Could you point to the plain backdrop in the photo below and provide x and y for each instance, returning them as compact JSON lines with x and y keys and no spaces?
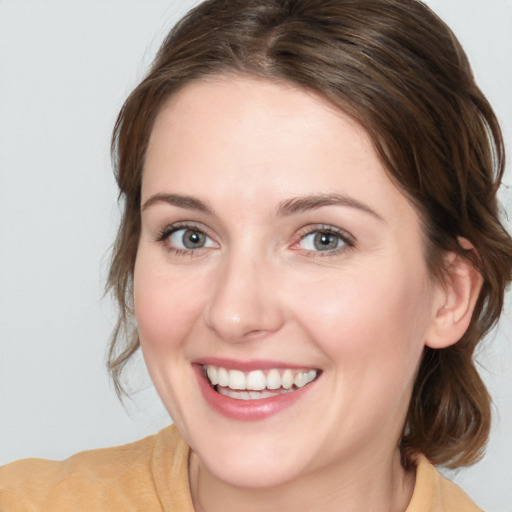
{"x":65,"y":68}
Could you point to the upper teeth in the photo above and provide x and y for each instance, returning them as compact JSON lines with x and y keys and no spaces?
{"x":258,"y":379}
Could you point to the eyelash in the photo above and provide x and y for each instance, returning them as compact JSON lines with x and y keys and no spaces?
{"x":165,"y":233}
{"x":347,"y":239}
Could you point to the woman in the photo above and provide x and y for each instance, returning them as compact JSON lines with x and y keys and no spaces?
{"x":311,"y":251}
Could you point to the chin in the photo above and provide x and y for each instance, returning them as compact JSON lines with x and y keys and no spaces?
{"x":255,"y":471}
{"x":250,"y":460}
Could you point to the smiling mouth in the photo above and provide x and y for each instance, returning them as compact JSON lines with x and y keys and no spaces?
{"x":257,"y":384}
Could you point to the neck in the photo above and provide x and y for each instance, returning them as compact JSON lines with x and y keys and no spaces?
{"x":380,"y":484}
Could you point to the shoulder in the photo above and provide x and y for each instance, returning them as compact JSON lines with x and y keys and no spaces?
{"x":114,"y":476}
{"x":435,"y":493}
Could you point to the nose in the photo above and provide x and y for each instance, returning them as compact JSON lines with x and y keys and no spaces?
{"x":243,"y":304}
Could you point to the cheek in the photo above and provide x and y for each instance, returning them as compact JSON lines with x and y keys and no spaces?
{"x":366,"y":318}
{"x":165,"y":306}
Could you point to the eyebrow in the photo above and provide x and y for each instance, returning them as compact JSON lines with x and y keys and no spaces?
{"x":287,"y":207}
{"x":186,"y":202}
{"x":313,"y":202}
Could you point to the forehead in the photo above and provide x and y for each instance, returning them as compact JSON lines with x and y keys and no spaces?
{"x":258,"y":142}
{"x":247,"y":114}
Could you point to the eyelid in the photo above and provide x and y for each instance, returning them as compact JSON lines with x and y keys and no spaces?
{"x":164,"y":233}
{"x":348,"y":239}
{"x":168,"y":229}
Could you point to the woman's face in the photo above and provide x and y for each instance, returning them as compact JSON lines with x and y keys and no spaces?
{"x":275,"y":252}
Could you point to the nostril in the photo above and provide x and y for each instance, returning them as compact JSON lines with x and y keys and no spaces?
{"x":240,"y":307}
{"x":244,"y":325}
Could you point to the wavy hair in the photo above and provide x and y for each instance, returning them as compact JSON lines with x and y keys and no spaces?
{"x":398,"y":70}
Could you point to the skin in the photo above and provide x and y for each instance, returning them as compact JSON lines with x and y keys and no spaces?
{"x":258,"y":290}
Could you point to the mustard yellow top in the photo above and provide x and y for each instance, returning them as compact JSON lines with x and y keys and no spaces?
{"x":151,"y":475}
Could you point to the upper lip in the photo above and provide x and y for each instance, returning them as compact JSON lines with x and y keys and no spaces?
{"x":247,"y":366}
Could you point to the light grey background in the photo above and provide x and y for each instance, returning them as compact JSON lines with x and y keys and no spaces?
{"x":65,"y":68}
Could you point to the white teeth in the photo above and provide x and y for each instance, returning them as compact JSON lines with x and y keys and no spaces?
{"x":299,"y":380}
{"x":287,"y":379}
{"x":237,"y":379}
{"x":223,"y":377}
{"x":212,"y":375}
{"x":303,"y":378}
{"x":252,"y":395}
{"x":257,"y":380}
{"x":273,"y":379}
{"x":311,"y":376}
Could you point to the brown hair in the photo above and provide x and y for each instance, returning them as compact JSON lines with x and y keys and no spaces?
{"x":395,"y":67}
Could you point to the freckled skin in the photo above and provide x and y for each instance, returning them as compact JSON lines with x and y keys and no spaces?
{"x":360,"y":314}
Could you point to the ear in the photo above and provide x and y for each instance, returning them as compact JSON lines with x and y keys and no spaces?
{"x":454,"y":300}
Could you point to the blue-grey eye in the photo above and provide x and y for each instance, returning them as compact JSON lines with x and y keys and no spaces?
{"x":321,"y":241}
{"x":190,"y":239}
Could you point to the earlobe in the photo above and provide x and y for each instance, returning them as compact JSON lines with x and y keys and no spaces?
{"x":455,"y":300}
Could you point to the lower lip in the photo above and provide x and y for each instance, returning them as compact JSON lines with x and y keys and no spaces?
{"x":247,"y":410}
